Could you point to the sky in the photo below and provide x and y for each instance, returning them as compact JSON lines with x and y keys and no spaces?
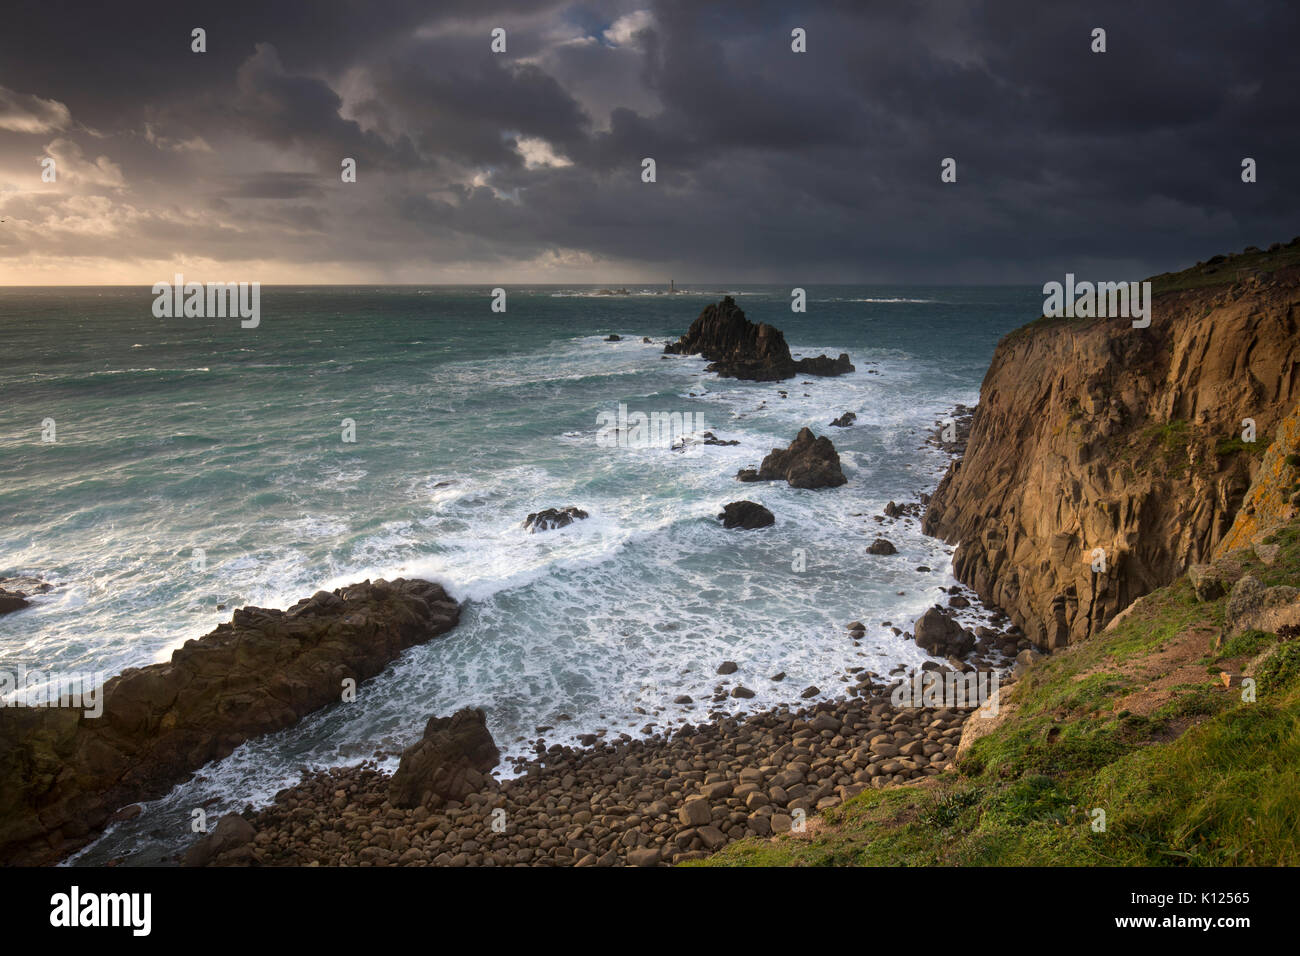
{"x":526,"y":166}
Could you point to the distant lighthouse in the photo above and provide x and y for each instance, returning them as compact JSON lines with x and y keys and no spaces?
{"x":671,"y":286}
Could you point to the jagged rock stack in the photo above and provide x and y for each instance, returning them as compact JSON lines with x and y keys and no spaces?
{"x":737,"y":348}
{"x":809,"y":462}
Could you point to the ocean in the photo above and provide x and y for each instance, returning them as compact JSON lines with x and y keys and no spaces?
{"x":199,"y":464}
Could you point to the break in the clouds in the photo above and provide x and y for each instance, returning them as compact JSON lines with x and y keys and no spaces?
{"x":525,"y":166}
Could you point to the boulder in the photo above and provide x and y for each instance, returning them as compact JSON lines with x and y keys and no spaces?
{"x":551,"y":518}
{"x":1254,"y":607}
{"x":845,"y":420}
{"x":448,"y":763}
{"x":809,"y":462}
{"x":941,"y":636}
{"x":232,"y":831}
{"x":746,"y":515}
{"x":1206,"y":582}
{"x":882,"y":546}
{"x":643,"y":856}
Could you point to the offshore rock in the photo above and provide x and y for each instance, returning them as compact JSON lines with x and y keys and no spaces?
{"x":809,"y":462}
{"x":746,"y":515}
{"x":737,"y":348}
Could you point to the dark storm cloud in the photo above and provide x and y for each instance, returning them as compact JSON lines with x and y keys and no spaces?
{"x":771,"y":165}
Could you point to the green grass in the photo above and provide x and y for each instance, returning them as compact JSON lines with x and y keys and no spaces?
{"x":1208,"y":779}
{"x":1279,"y":671}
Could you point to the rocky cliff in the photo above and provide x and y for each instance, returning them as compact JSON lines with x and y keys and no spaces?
{"x":1274,"y":498}
{"x":1103,"y":460}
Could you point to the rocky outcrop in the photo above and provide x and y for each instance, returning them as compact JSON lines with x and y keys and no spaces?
{"x":809,"y":462}
{"x":845,"y":420}
{"x":746,"y":515}
{"x":63,"y":774}
{"x":882,"y":546}
{"x":1103,"y":460}
{"x":551,"y":518}
{"x":737,"y":348}
{"x":448,"y":763}
{"x":1254,"y":607}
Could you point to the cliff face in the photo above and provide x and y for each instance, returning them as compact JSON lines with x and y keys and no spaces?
{"x":1091,"y":434}
{"x":1274,"y":498}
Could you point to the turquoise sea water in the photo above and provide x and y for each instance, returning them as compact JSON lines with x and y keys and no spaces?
{"x":183,"y":434}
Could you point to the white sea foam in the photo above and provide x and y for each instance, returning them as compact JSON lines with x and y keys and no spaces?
{"x":626,"y":609}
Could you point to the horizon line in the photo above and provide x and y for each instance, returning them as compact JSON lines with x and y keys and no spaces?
{"x":466,"y":285}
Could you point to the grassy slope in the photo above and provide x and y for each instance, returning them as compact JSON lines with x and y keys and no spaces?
{"x":1204,"y":779}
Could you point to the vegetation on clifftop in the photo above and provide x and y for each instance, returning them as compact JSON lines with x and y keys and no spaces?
{"x":1135,"y":722}
{"x":1224,"y":270}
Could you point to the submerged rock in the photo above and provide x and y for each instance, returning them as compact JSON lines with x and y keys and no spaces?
{"x":551,"y":518}
{"x":16,"y":591}
{"x":825,"y":366}
{"x":11,"y":601}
